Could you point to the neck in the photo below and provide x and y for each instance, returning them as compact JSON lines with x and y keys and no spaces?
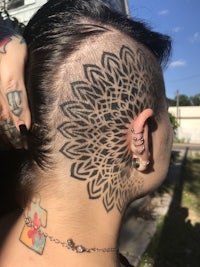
{"x":84,"y":221}
{"x":64,"y":213}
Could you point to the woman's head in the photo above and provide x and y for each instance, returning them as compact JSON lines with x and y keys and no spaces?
{"x":94,"y":75}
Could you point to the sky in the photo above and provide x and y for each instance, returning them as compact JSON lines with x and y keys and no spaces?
{"x":181,"y":20}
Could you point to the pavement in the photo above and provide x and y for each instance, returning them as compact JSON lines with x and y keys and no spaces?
{"x":142,"y":216}
{"x":139,"y":227}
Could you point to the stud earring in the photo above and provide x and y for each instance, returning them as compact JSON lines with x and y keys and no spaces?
{"x":139,"y":164}
{"x":135,"y":163}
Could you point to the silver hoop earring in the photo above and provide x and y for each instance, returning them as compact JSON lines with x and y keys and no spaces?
{"x":133,"y":131}
{"x":138,"y":141}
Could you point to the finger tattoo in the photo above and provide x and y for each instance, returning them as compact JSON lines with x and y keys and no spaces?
{"x":3,"y":44}
{"x":7,"y":39}
{"x":14,"y":100}
{"x":8,"y":128}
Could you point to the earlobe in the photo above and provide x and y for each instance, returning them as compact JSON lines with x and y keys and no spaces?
{"x":139,"y":140}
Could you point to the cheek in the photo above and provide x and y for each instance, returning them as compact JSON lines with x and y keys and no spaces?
{"x":162,"y":151}
{"x":164,"y":139}
{"x":160,"y":158}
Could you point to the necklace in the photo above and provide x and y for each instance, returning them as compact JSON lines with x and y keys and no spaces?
{"x":69,"y":244}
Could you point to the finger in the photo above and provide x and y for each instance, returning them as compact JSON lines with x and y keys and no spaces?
{"x":17,"y":103}
{"x":12,"y":81}
{"x":10,"y":134}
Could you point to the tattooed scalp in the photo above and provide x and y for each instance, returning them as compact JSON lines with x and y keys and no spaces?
{"x":96,"y":121}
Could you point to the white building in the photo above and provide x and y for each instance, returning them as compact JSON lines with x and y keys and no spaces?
{"x":119,"y":5}
{"x":23,"y":10}
{"x":189,"y":123}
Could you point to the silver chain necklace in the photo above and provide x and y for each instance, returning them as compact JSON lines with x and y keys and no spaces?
{"x":69,"y":244}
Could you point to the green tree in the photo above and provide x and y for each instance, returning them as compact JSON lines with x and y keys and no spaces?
{"x":183,"y":100}
{"x":171,"y":102}
{"x":195,"y":100}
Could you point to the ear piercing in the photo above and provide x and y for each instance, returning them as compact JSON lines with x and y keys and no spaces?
{"x":139,"y":164}
{"x":138,"y":140}
{"x":135,"y":163}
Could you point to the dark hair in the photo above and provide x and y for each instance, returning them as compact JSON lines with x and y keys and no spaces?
{"x":54,"y":33}
{"x":63,"y":17}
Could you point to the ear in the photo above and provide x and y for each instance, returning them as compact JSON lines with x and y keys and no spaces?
{"x":139,"y":138}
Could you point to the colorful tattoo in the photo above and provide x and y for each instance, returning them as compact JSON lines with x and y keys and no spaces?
{"x":14,"y":101}
{"x":3,"y":44}
{"x":30,"y":235}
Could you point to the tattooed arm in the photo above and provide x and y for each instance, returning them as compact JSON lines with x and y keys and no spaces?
{"x":14,"y":109}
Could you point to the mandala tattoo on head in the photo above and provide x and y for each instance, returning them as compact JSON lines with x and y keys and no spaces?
{"x":96,"y":125}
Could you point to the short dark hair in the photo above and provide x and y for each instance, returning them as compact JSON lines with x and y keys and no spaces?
{"x":6,"y":32}
{"x":55,"y":33}
{"x":62,"y":18}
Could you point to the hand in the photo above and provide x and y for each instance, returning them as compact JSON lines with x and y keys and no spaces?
{"x":14,"y":110}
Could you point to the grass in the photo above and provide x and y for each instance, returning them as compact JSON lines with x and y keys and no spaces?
{"x":176,"y":242}
{"x":191,"y":193}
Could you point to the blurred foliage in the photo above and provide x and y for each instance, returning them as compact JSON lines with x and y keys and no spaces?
{"x":174,"y":122}
{"x":195,"y":100}
{"x":184,"y":100}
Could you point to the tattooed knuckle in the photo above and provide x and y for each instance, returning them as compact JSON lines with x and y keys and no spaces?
{"x":8,"y":130}
{"x":14,"y":100}
{"x":4,"y":114}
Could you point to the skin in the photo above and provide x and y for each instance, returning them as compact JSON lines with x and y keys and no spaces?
{"x":97,"y":118}
{"x":14,"y":109}
{"x":84,"y":198}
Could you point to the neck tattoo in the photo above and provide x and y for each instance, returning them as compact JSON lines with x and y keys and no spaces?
{"x":34,"y":237}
